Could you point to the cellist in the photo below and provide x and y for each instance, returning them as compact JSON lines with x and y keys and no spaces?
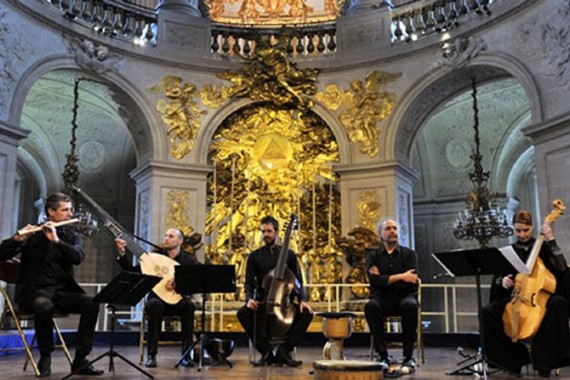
{"x":251,"y":316}
{"x":550,"y":346}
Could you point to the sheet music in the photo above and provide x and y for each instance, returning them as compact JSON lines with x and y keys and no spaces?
{"x":510,"y":254}
{"x":449,"y":273}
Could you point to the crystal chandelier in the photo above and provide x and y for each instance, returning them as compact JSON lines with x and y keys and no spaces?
{"x":482,"y":220}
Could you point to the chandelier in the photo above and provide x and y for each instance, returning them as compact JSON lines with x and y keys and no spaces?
{"x":482,"y":220}
{"x":87,"y":224}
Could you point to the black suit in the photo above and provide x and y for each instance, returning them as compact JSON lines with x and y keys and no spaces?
{"x":157,"y":308}
{"x":47,"y":282}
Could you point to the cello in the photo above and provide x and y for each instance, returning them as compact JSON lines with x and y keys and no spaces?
{"x":524,"y":313}
{"x":279,"y":285}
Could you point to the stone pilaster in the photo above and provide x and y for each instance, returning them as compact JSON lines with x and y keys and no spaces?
{"x":10,"y":136}
{"x":157,"y":182}
{"x":551,"y":140}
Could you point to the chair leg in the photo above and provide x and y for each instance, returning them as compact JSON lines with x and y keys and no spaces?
{"x":27,"y":358}
{"x":251,"y":351}
{"x":141,"y":340}
{"x":21,"y":333}
{"x":62,"y":341}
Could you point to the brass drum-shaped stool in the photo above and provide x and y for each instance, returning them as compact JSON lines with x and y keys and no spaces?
{"x":347,"y":370}
{"x":336,"y":327}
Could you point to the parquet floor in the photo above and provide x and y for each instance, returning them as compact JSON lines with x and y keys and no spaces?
{"x":439,"y":361}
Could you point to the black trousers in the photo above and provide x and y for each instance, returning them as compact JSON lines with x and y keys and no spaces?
{"x":550,"y":347}
{"x":377,"y":309}
{"x":156,"y":309}
{"x":42,"y":303}
{"x":246,"y":317}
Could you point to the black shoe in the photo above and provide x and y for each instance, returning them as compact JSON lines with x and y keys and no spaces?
{"x":544,"y":372}
{"x":266,"y":359}
{"x":44,"y":365}
{"x":284,"y":357}
{"x":86,"y":369}
{"x":150,"y":361}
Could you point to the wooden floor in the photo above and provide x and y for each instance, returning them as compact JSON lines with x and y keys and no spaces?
{"x":438,"y":362}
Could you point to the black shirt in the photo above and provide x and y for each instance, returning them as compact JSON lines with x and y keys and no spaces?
{"x":401,"y":260}
{"x":262,"y":261}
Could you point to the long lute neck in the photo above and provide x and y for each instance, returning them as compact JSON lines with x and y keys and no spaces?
{"x":110,"y":223}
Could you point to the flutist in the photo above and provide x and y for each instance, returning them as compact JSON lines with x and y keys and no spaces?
{"x":48,"y":254}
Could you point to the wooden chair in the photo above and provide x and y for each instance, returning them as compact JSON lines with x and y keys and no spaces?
{"x":9,"y":273}
{"x":391,"y":321}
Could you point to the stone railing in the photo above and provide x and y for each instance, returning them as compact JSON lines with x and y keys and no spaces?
{"x":302,"y":40}
{"x":410,"y":22}
{"x":112,"y":18}
{"x":137,"y":20}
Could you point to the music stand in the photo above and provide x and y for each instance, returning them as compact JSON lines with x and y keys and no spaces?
{"x":474,"y":262}
{"x":128,"y":288}
{"x":204,"y":279}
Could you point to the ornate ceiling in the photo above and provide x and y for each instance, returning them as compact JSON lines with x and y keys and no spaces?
{"x":273,"y":12}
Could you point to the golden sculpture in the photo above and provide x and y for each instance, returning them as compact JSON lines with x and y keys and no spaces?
{"x":272,"y":77}
{"x":369,"y":209}
{"x":270,"y":161}
{"x":355,"y":248}
{"x":362,"y":108}
{"x":180,"y":113}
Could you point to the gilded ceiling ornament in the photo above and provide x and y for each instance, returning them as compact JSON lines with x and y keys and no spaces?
{"x":362,"y":108}
{"x":369,"y":209}
{"x":177,"y":217}
{"x":180,"y":112}
{"x":271,"y":77}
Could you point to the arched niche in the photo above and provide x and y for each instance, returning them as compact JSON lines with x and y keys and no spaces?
{"x":113,"y":137}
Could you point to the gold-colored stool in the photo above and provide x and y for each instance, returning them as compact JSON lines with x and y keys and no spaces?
{"x":336,"y":327}
{"x":347,"y":370}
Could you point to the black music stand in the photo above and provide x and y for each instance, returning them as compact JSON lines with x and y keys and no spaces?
{"x":204,"y":279}
{"x":474,"y":262}
{"x":128,"y":288}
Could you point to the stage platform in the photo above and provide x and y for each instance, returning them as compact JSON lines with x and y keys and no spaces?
{"x":439,"y":360}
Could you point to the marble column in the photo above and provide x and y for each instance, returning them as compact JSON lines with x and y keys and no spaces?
{"x":189,"y":7}
{"x":10,"y":136}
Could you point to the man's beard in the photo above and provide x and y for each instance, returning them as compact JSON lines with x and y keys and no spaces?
{"x":269,"y":241}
